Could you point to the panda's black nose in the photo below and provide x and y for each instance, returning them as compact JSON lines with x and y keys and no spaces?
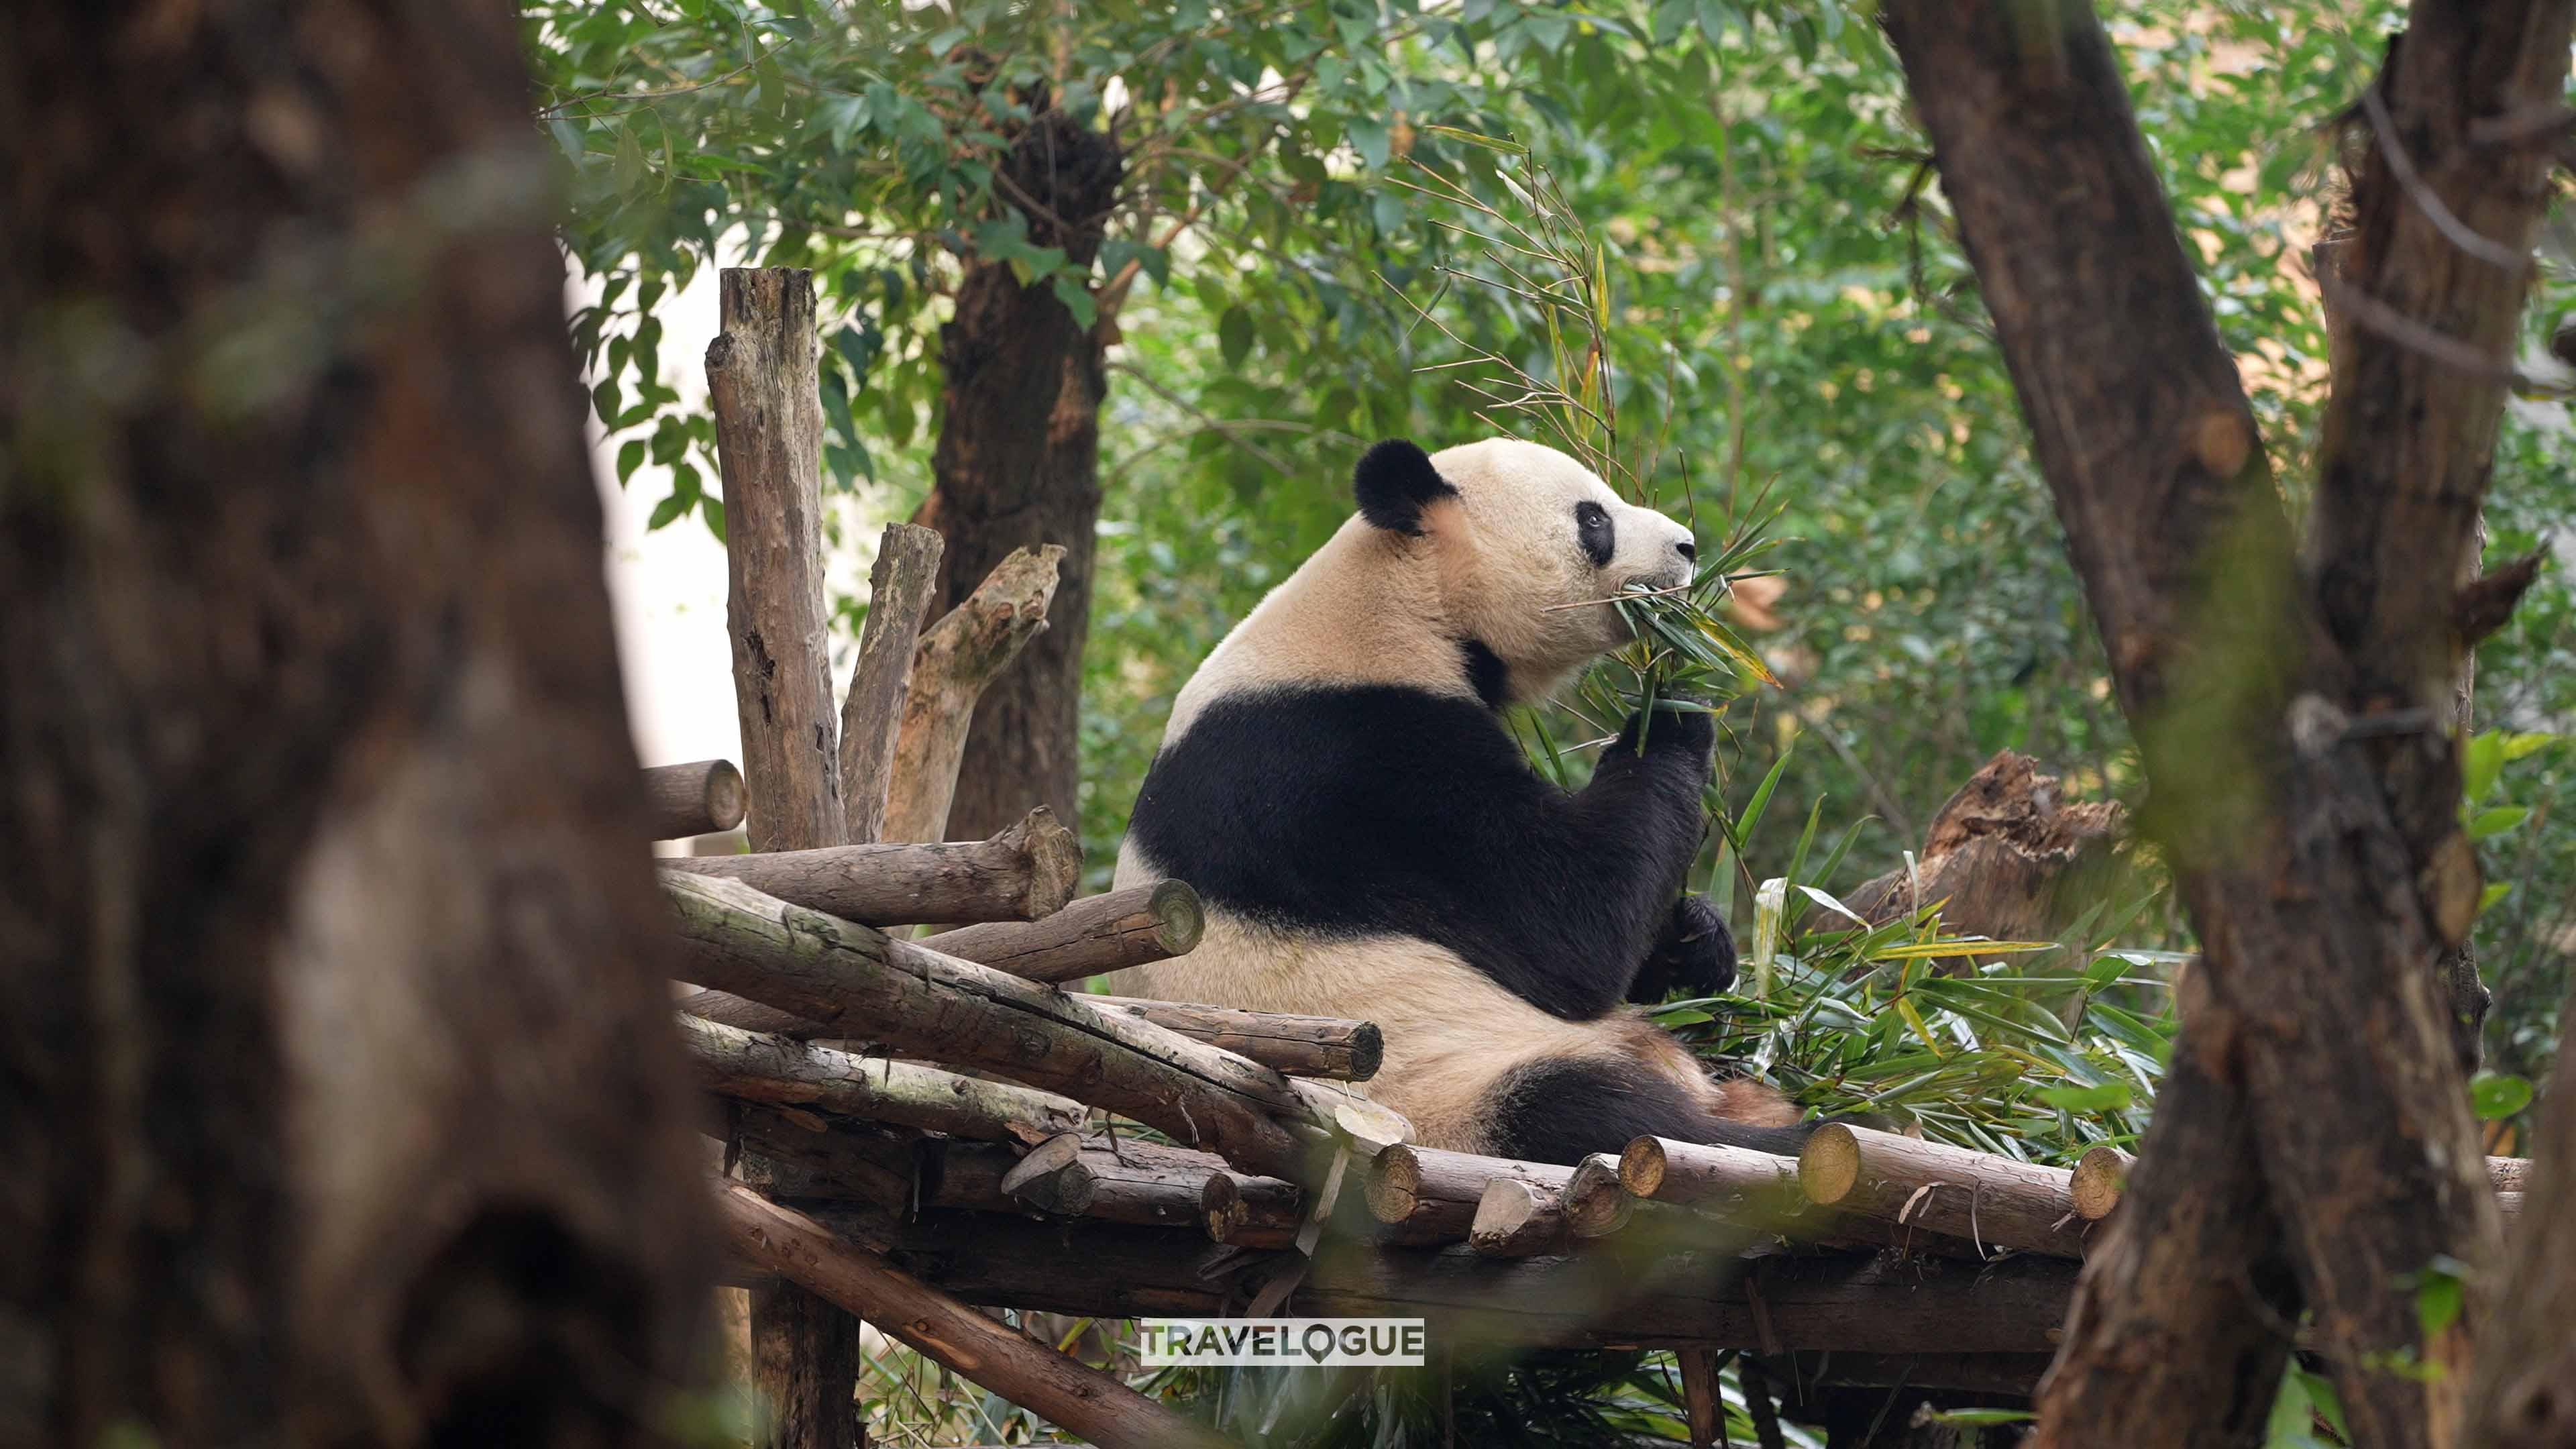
{"x":1687,"y":550}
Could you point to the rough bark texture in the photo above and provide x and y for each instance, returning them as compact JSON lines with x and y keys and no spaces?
{"x":2523,"y":1393}
{"x":854,"y":979}
{"x":1028,"y":871}
{"x":900,"y":586}
{"x":341,"y":1100}
{"x":1992,"y":1201}
{"x":781,"y":1071}
{"x":1709,"y":1176}
{"x":769,"y":425}
{"x":1076,"y":1398}
{"x":1018,"y":464}
{"x":960,"y":657}
{"x":700,"y":798}
{"x":1093,"y":935}
{"x":1328,"y":1048}
{"x":2323,"y":873}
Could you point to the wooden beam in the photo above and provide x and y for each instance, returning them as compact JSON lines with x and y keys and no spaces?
{"x":855,"y":980}
{"x":1110,"y":932}
{"x":1327,"y":1048}
{"x":702,"y":797}
{"x":1992,"y":1201}
{"x":1028,"y":871}
{"x":1074,"y":1397}
{"x":781,"y":1071}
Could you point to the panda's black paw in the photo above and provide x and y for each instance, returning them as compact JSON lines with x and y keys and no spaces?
{"x":1695,"y":954}
{"x":1690,"y":732}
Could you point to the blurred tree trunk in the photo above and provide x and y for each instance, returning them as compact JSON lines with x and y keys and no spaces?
{"x":2294,"y":703}
{"x":336,"y":1082}
{"x":1018,"y":463}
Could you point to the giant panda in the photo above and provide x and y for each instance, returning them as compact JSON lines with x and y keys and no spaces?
{"x":1369,"y":840}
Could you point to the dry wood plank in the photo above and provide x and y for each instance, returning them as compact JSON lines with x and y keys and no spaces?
{"x":1328,"y":1048}
{"x":781,"y":1071}
{"x":900,"y":585}
{"x":1993,"y":1201}
{"x":855,"y":980}
{"x":1027,"y":871}
{"x":769,"y":421}
{"x":1074,"y":1397}
{"x":957,"y":657}
{"x":702,"y":797}
{"x":1100,"y":933}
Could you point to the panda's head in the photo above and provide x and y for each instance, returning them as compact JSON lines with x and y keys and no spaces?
{"x":1525,"y":543}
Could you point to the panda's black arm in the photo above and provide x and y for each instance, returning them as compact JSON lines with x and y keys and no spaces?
{"x":1392,"y":811}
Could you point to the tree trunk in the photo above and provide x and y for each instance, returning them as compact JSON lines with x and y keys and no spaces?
{"x":2304,"y":786}
{"x":343,"y":1104}
{"x":1018,"y":464}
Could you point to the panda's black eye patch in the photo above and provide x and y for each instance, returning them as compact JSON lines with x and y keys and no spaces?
{"x":1592,"y":529}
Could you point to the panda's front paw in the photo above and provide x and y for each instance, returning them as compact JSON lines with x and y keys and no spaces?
{"x":1691,"y":733}
{"x":1695,"y":953}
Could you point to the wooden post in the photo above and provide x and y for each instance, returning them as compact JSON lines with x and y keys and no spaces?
{"x":958,"y":656}
{"x":769,"y":422}
{"x":699,"y":798}
{"x":899,"y":592}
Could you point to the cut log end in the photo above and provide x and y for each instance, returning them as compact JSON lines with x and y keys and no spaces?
{"x":2100,"y":1177}
{"x":1368,"y":1051}
{"x":1394,"y":1184}
{"x":1641,"y":1166}
{"x":1516,"y":1219}
{"x":1183,"y":919}
{"x":1829,"y":1165}
{"x":1595,"y":1203}
{"x":702,"y":797}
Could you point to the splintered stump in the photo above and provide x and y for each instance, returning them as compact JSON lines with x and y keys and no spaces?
{"x":2008,"y":857}
{"x":1027,"y":871}
{"x":1991,"y":1201}
{"x":702,"y":797}
{"x":1133,"y":927}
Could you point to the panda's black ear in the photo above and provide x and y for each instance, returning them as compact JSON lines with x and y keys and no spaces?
{"x":1395,"y":482}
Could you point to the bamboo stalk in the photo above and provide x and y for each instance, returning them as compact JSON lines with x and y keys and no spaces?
{"x":855,"y":980}
{"x":702,"y":797}
{"x":1076,"y":1398}
{"x":1133,"y":927}
{"x":1992,"y":1201}
{"x":1027,"y":871}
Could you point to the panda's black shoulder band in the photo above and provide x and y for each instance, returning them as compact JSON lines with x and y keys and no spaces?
{"x":1395,"y":482}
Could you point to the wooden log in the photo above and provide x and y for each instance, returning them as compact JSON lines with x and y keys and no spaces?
{"x":792,"y":1152}
{"x":702,"y":797}
{"x":1708,"y":1176}
{"x":900,"y":585}
{"x":855,"y":980}
{"x":956,"y":659}
{"x":1251,"y":1212}
{"x":761,"y":1067}
{"x":2096,"y":1183}
{"x":2101,"y":1175}
{"x":1595,"y":1203}
{"x":1075,"y":1398}
{"x":1433,"y":1194}
{"x":1325,"y":1047}
{"x":769,"y":421}
{"x":1991,"y":1201}
{"x":1319,"y":1047}
{"x":1516,"y":1219}
{"x":1029,"y":870}
{"x":1862,"y":1305}
{"x":1095,"y":934}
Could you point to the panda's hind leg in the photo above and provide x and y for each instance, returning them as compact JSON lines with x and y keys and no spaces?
{"x":1563,"y":1109}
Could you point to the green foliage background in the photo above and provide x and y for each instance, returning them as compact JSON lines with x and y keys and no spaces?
{"x":1794,"y":315}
